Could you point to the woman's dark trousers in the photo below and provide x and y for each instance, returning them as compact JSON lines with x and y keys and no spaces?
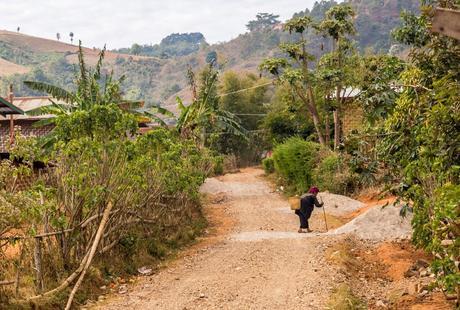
{"x":303,"y":217}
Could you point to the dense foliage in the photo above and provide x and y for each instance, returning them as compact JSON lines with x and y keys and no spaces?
{"x":176,"y":44}
{"x":295,"y":160}
{"x":422,"y":146}
{"x":301,"y":164}
{"x":245,"y":96}
{"x":286,"y":117}
{"x":319,"y":83}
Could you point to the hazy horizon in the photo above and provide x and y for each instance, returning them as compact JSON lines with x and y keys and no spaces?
{"x":119,"y":23}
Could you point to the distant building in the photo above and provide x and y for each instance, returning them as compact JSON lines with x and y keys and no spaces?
{"x":14,"y":119}
{"x":352,"y":112}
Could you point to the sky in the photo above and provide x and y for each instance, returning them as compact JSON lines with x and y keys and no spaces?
{"x":120,"y":23}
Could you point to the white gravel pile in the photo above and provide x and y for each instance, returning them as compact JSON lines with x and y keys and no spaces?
{"x":379,"y":224}
{"x":339,"y":205}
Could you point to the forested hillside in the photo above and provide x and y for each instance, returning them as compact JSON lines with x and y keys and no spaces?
{"x":156,"y":72}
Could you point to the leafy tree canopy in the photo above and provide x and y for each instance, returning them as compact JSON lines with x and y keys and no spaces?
{"x":263,"y":21}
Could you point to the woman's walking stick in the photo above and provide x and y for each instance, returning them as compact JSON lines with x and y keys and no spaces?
{"x":324,"y":213}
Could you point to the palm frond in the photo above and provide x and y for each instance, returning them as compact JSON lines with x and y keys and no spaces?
{"x":228,"y":122}
{"x":49,"y":109}
{"x":45,"y":122}
{"x":155,"y":118}
{"x":162,"y":111}
{"x":83,"y":78}
{"x":47,"y":142}
{"x":54,"y":91}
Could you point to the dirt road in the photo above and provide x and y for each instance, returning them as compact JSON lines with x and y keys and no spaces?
{"x":262,"y":263}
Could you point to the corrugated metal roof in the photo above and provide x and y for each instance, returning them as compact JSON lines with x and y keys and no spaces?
{"x":6,"y":108}
{"x":27,"y":104}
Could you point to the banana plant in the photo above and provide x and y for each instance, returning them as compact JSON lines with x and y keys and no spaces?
{"x":204,"y":116}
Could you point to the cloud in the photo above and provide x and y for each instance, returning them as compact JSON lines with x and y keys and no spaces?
{"x":120,"y":23}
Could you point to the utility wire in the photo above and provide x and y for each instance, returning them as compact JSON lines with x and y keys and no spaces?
{"x":245,"y":89}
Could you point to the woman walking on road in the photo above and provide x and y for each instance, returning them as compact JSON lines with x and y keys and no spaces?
{"x":307,"y":204}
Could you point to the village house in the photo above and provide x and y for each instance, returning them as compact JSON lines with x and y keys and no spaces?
{"x":14,"y":119}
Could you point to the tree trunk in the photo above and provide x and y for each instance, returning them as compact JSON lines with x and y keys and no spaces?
{"x":327,"y":123}
{"x":338,"y":99}
{"x":315,"y":116}
{"x":38,"y":265}
{"x":336,"y":129}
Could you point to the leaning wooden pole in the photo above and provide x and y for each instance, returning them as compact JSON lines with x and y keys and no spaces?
{"x":10,"y":98}
{"x":97,"y":238}
{"x":325,"y":220}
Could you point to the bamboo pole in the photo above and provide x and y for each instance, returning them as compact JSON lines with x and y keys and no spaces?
{"x":97,"y":238}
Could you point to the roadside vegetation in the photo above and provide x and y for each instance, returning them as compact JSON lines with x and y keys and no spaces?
{"x":408,"y":145}
{"x":107,"y":192}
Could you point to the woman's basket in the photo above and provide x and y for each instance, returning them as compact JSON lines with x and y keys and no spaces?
{"x":294,"y":202}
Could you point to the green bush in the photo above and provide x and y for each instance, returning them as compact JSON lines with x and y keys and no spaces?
{"x":333,"y":174}
{"x":294,"y":161}
{"x":269,"y":165}
{"x":218,"y":165}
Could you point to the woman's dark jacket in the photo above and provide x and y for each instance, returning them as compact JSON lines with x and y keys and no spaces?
{"x":307,"y":203}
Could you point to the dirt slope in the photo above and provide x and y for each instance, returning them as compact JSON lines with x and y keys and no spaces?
{"x":41,"y":45}
{"x":9,"y":68}
{"x":285,"y":270}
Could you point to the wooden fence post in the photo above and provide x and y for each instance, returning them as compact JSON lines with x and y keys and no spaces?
{"x":18,"y":271}
{"x":38,"y":264}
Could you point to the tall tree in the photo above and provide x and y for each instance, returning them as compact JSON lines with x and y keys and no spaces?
{"x":136,"y":49}
{"x":263,"y":21}
{"x":338,"y":25}
{"x":313,"y":81}
{"x":296,"y":70}
{"x":71,"y":37}
{"x":58,"y":36}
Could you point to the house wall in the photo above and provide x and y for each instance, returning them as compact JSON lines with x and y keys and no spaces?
{"x":352,"y":118}
{"x":24,"y":127}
